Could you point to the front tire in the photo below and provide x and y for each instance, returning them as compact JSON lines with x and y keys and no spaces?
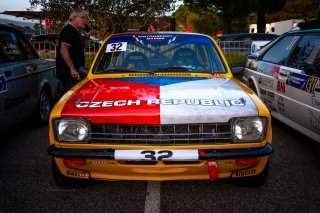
{"x":42,"y":112}
{"x":253,"y":181}
{"x":66,"y":182}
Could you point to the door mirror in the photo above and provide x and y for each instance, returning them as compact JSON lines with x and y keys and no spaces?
{"x":237,"y":71}
{"x":83,"y":72}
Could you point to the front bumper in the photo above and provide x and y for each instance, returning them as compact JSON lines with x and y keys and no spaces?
{"x":203,"y":154}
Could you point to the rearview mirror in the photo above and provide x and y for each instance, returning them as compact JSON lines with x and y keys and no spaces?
{"x":237,"y":71}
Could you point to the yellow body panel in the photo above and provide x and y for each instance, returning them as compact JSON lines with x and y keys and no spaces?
{"x":103,"y":169}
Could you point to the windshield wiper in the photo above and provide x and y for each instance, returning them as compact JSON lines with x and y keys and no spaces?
{"x":182,"y":69}
{"x":122,"y":70}
{"x":174,"y":69}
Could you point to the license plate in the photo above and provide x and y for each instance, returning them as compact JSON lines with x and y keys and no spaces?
{"x":154,"y":155}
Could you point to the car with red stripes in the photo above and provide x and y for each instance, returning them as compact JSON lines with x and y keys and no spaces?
{"x":286,"y":75}
{"x":160,"y":106}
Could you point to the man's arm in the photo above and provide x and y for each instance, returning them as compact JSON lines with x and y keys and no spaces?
{"x":64,"y":50}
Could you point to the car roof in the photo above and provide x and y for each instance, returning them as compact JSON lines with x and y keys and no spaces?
{"x":317,"y":30}
{"x":253,"y":36}
{"x":4,"y":26}
{"x":159,"y":32}
{"x":45,"y":36}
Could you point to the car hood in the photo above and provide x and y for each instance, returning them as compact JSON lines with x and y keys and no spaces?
{"x":159,"y":100}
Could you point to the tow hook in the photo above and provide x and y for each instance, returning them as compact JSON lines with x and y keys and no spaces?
{"x":213,"y":170}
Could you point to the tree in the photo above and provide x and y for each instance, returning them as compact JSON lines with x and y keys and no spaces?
{"x":106,"y":16}
{"x":267,"y":6}
{"x":228,"y":11}
{"x":202,"y":21}
{"x":295,"y":9}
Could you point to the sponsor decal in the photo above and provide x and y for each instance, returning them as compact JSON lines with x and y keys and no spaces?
{"x":266,"y":82}
{"x":142,"y":39}
{"x":281,"y":87}
{"x":271,"y":95}
{"x":263,"y":92}
{"x":77,"y":173}
{"x":311,"y":85}
{"x":100,"y":162}
{"x":298,"y":81}
{"x":316,"y":95}
{"x":269,"y":69}
{"x":245,"y":173}
{"x":3,"y":83}
{"x":201,"y":102}
{"x":276,"y":70}
{"x":269,"y":98}
{"x":281,"y":105}
{"x":13,"y":102}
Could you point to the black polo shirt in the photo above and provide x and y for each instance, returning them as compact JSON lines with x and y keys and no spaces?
{"x":72,"y":37}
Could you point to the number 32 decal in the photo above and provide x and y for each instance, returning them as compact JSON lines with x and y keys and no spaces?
{"x":154,"y":155}
{"x":116,"y":47}
{"x":159,"y":155}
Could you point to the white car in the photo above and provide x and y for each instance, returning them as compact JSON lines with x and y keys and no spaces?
{"x":286,"y":75}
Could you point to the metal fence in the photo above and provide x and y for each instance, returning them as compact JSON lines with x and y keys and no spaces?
{"x":235,"y":47}
{"x":48,"y":49}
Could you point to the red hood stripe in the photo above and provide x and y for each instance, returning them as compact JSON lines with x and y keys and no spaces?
{"x":132,"y":112}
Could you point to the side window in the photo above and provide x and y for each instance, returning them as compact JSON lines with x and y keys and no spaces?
{"x":307,"y":53}
{"x":279,"y":53}
{"x":14,"y":48}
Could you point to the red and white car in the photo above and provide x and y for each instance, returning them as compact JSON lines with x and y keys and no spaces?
{"x":160,"y":106}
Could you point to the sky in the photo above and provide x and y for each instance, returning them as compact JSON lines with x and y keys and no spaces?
{"x":13,"y":5}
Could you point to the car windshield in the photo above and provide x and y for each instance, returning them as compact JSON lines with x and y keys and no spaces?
{"x":159,"y":52}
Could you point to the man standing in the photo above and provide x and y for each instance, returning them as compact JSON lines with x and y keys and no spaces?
{"x":71,"y":49}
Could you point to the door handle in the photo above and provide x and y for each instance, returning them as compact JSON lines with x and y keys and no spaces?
{"x":7,"y":73}
{"x":31,"y":68}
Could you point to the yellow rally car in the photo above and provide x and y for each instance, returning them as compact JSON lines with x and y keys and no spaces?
{"x":160,"y":106}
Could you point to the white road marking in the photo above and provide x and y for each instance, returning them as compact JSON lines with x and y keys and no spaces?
{"x":152,"y":204}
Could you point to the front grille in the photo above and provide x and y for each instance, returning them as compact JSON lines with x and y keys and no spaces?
{"x":178,"y":134}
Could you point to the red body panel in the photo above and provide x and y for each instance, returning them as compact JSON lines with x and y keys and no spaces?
{"x":98,"y":90}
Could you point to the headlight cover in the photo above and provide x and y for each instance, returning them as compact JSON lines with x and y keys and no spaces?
{"x":71,"y":130}
{"x":249,"y":129}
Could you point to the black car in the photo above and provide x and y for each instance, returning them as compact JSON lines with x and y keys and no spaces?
{"x":242,"y":42}
{"x":248,"y":37}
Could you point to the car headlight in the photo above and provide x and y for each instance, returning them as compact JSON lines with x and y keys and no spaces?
{"x":249,"y":129}
{"x":71,"y":130}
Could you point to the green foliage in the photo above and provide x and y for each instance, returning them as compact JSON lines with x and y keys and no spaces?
{"x":228,"y":11}
{"x":203,"y":21}
{"x":106,"y":16}
{"x":295,"y":9}
{"x":236,"y":60}
{"x":267,"y":6}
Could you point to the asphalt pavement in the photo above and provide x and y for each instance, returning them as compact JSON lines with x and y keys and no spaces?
{"x":26,"y":183}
